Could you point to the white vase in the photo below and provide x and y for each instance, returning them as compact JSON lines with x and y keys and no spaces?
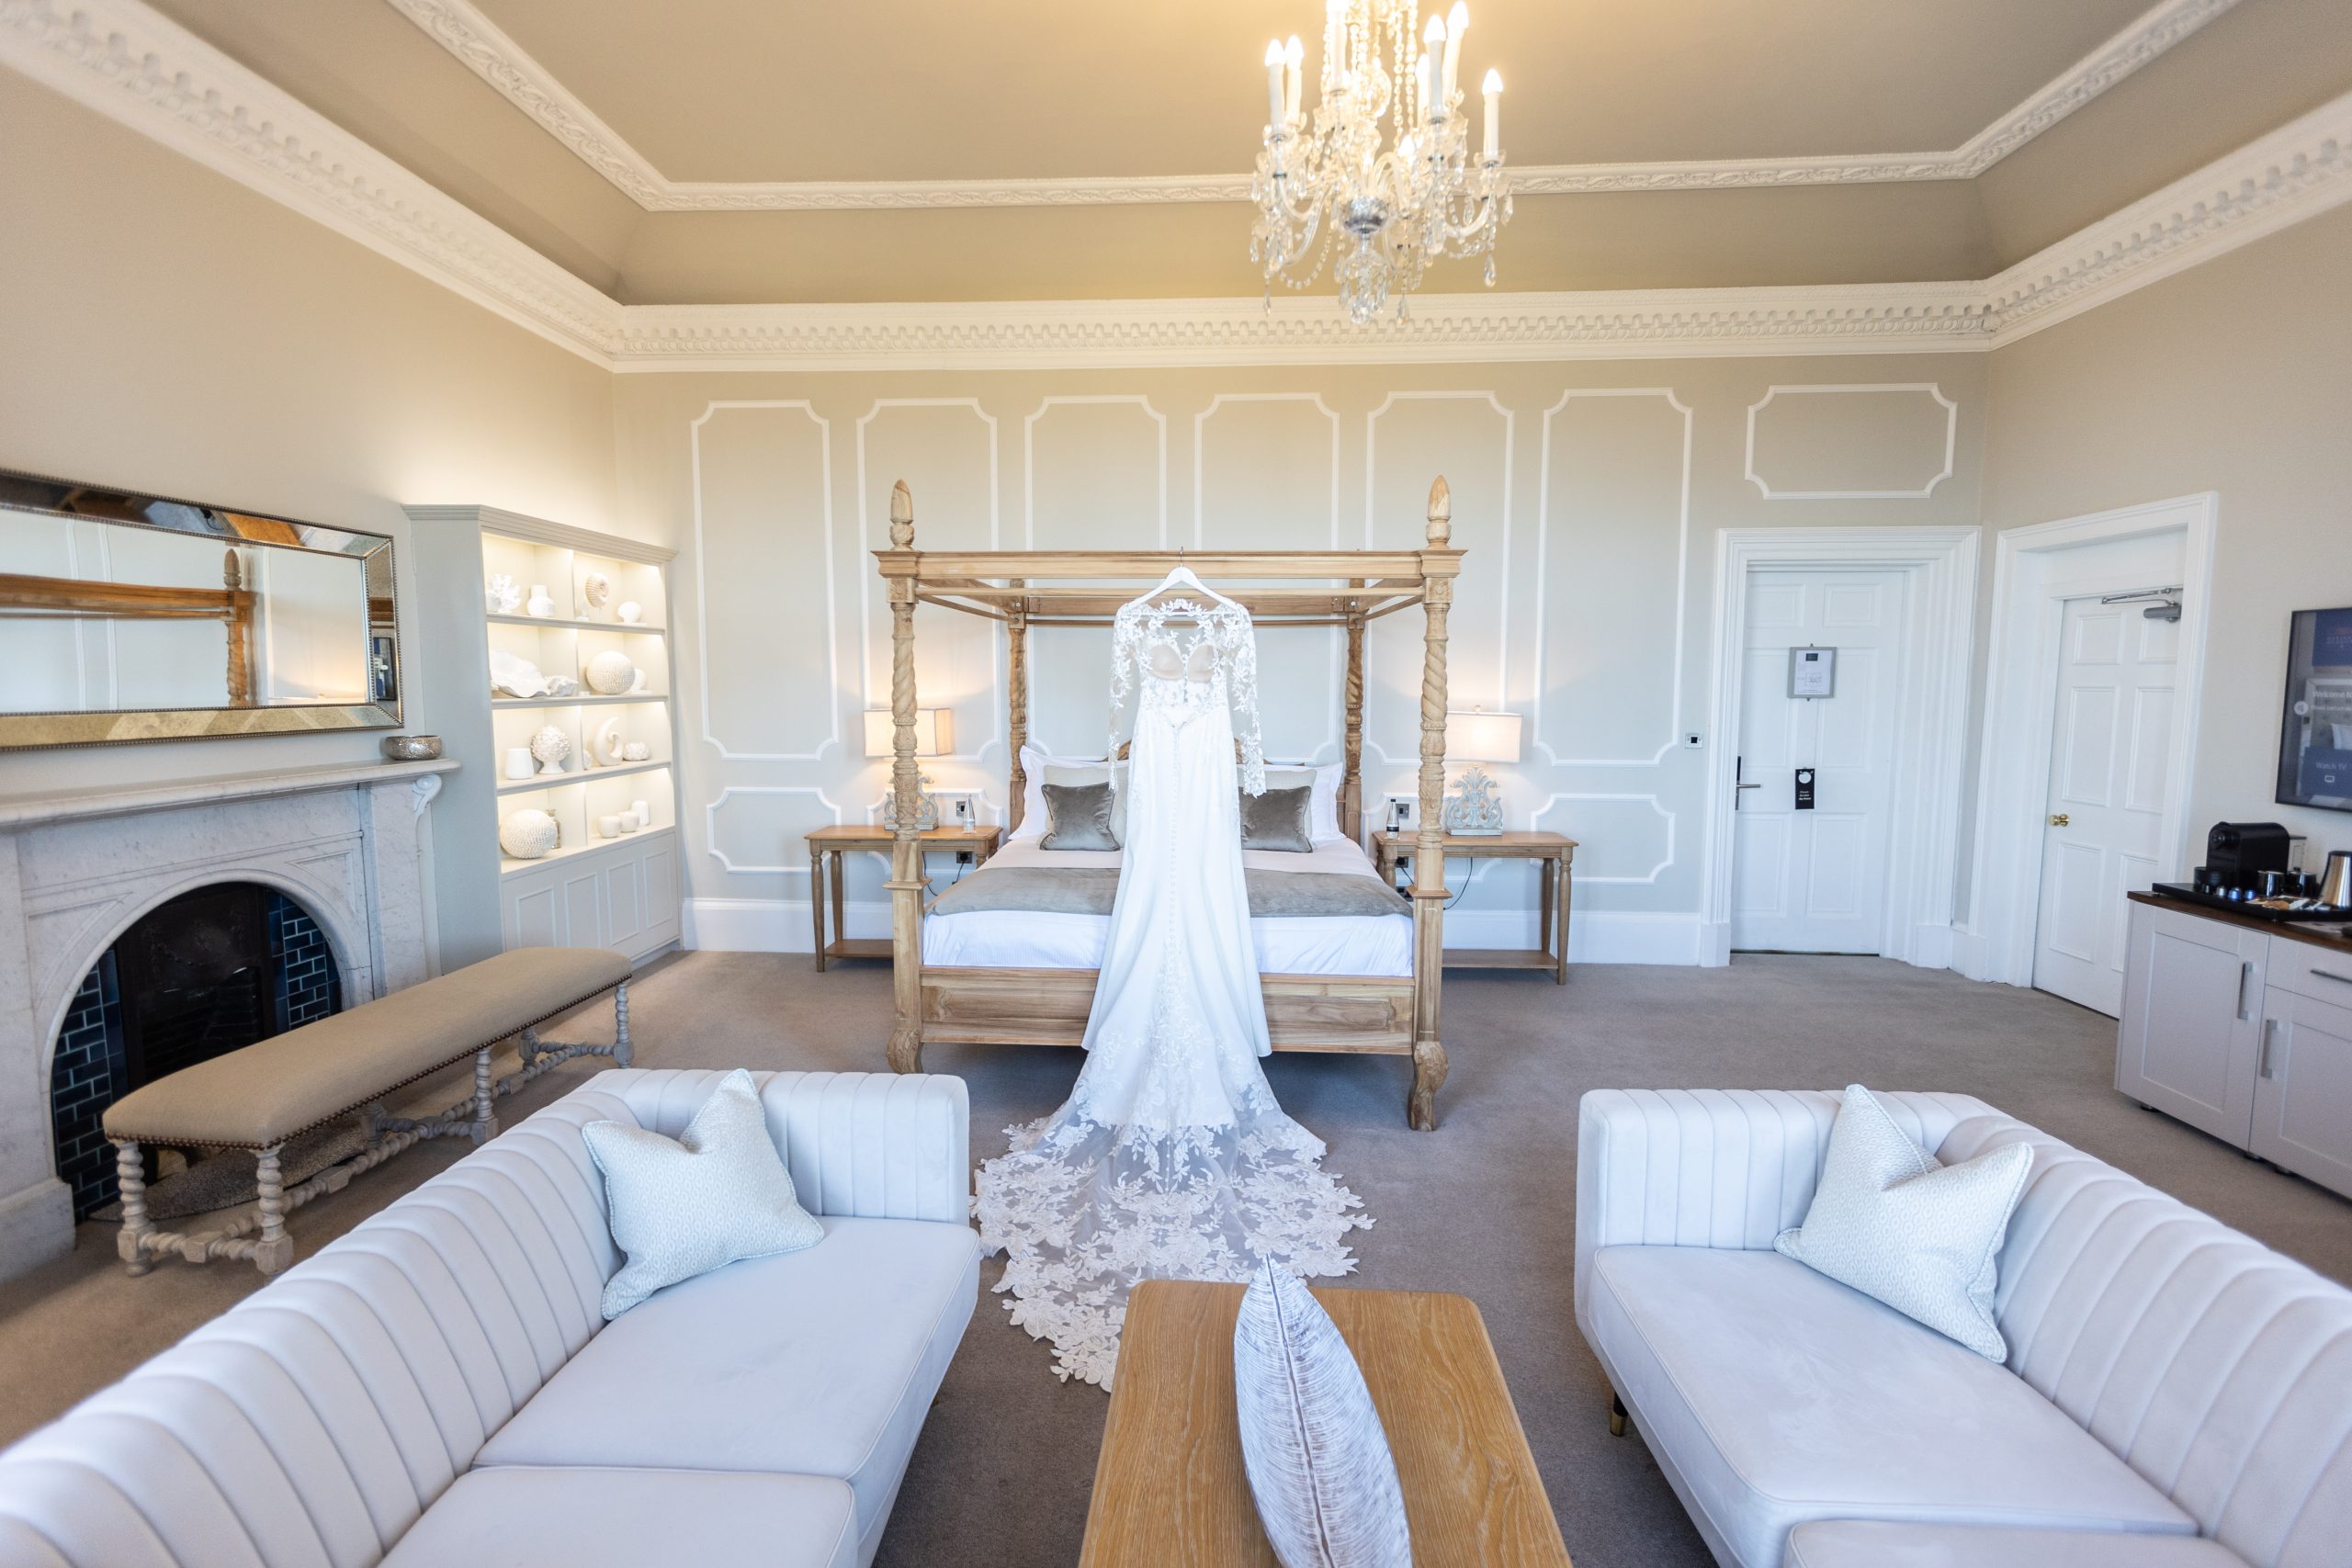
{"x":541,"y":606}
{"x":518,"y":763}
{"x":608,"y":826}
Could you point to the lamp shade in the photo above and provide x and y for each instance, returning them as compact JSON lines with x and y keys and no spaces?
{"x":1482,"y":737}
{"x":934,"y":732}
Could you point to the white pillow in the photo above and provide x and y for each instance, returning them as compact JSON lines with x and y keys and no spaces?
{"x":1034,"y":764}
{"x":681,"y":1207}
{"x":1311,"y":1442}
{"x":1924,"y":1237}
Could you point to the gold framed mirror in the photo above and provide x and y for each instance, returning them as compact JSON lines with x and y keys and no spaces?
{"x":128,"y":617}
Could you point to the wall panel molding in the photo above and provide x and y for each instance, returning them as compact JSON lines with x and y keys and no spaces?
{"x":1543,"y":579}
{"x":1926,"y":488}
{"x":718,"y":803}
{"x":125,"y":60}
{"x":485,"y":50}
{"x":702,"y":596}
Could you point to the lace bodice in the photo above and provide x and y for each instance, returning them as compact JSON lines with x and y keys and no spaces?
{"x":1184,"y":655}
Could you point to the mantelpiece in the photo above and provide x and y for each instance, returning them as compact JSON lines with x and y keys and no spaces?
{"x":77,"y":868}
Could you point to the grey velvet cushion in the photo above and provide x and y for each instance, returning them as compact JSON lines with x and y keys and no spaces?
{"x":1278,"y":820}
{"x":1078,"y":818}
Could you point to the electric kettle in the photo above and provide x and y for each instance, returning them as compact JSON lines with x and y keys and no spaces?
{"x":2335,"y":882}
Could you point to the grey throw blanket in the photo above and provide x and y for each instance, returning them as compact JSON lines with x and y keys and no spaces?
{"x":1077,"y":890}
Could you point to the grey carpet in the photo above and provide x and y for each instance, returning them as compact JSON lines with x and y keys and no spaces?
{"x":1485,"y":1205}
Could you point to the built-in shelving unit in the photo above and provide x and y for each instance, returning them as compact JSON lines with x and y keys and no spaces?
{"x":602,"y":886}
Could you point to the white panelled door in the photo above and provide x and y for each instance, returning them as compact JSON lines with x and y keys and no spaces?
{"x":1814,"y":880}
{"x":2110,"y":740}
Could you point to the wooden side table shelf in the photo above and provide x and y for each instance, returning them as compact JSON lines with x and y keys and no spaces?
{"x":831,"y":843}
{"x":1555,"y":879}
{"x":1170,"y":1487}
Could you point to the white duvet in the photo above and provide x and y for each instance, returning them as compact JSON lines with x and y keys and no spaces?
{"x":1286,"y":945}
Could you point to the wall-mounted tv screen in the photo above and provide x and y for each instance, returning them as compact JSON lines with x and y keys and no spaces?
{"x":2315,"y":739}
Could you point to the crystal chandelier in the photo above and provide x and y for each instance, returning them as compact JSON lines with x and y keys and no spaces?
{"x":1400,"y":206}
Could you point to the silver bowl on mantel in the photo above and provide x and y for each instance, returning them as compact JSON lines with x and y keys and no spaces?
{"x":411,"y":748}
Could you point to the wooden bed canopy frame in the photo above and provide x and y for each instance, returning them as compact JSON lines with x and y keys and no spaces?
{"x":1383,"y":1014}
{"x":231,"y":604}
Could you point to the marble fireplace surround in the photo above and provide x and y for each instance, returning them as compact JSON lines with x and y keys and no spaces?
{"x":76,"y":869}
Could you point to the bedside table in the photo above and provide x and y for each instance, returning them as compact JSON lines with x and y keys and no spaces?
{"x":831,"y":843}
{"x":1554,"y":878}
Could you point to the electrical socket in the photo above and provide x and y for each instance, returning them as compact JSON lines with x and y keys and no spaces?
{"x":963,"y":857}
{"x":1692,"y":741}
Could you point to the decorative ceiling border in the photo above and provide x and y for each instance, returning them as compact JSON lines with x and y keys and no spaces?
{"x":485,"y":48}
{"x":128,"y":63}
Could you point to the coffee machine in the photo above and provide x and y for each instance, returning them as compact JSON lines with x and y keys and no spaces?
{"x":2249,"y":866}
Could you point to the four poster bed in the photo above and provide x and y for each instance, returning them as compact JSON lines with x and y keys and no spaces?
{"x":1355,"y":975}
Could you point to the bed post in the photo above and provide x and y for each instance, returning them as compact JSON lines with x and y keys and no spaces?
{"x":901,"y":571}
{"x":1016,"y":705}
{"x":1440,"y":561}
{"x":1351,"y":774}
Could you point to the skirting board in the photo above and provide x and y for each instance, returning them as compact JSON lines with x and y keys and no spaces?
{"x":1594,"y":936}
{"x":1933,"y":946}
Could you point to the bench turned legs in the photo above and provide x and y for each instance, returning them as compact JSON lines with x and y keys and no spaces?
{"x":273,"y":1252}
{"x":485,"y":1121}
{"x":130,"y":1176}
{"x":622,"y":1051}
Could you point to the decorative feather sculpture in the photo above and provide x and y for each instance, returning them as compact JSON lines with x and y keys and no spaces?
{"x":1318,"y":1460}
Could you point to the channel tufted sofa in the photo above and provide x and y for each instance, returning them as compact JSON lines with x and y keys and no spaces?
{"x":2176,"y":1395}
{"x":436,"y":1387}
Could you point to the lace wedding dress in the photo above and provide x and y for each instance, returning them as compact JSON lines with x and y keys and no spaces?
{"x":1170,"y":1158}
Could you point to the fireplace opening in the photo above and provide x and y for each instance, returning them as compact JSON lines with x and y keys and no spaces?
{"x":199,"y":976}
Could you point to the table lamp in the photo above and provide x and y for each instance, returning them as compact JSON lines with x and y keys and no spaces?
{"x":1474,"y":808}
{"x":935,"y":737}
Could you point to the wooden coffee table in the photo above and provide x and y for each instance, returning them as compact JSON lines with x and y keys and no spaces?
{"x":1169,"y":1488}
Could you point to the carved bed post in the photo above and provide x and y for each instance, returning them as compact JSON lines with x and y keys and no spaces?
{"x":1352,"y":754}
{"x":1438,"y":564}
{"x":1016,"y":704}
{"x":900,"y":571}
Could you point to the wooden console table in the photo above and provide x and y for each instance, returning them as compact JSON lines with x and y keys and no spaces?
{"x":831,"y":843}
{"x":1169,"y":1488}
{"x":1556,"y":881}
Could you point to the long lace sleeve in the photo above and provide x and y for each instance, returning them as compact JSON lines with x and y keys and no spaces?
{"x":1242,"y":695}
{"x":1126,"y":652}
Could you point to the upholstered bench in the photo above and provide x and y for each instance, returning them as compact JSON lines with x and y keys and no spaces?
{"x":261,"y":1096}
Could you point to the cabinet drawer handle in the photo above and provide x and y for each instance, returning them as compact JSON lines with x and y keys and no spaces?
{"x":2245,"y":975}
{"x":2270,"y":1038}
{"x":2331,"y":975}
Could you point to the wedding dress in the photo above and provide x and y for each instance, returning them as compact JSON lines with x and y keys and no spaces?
{"x":1171,"y":1159}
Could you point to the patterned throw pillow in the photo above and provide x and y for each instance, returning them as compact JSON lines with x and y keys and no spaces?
{"x":1081,"y":817}
{"x":681,"y":1207}
{"x":1921,"y":1236}
{"x":1318,"y":1460}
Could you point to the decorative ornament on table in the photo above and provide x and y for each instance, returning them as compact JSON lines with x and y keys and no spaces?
{"x":595,"y":589}
{"x":610,"y":673}
{"x":550,"y":746}
{"x":529,"y":834}
{"x":630,"y":612}
{"x":637,"y":751}
{"x":541,"y":606}
{"x":926,"y":812}
{"x":411,"y":748}
{"x":503,"y":594}
{"x":607,"y":747}
{"x":513,"y":675}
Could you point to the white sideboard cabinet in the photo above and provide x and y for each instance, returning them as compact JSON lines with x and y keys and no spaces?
{"x":2241,"y":1028}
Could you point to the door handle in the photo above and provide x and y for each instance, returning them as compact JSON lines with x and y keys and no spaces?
{"x":2060,"y":820}
{"x":2269,"y":1037}
{"x":2245,"y":976}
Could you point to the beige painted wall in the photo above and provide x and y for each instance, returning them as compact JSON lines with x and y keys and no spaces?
{"x":2235,"y":377}
{"x":1586,"y":602}
{"x":168,"y":329}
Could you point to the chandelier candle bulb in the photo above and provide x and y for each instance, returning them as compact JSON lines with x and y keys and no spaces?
{"x":1493,"y":89}
{"x":1433,"y":67}
{"x":1274,"y":85}
{"x":1293,"y":65}
{"x":1457,"y":22}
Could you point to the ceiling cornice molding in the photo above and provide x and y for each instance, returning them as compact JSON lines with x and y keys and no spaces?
{"x":130,"y":62}
{"x":486,"y":50}
{"x":122,"y":59}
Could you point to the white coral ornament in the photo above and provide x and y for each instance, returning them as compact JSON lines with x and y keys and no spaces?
{"x":528,"y":834}
{"x":550,"y":746}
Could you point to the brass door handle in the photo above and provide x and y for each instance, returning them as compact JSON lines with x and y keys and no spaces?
{"x":2058,"y":819}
